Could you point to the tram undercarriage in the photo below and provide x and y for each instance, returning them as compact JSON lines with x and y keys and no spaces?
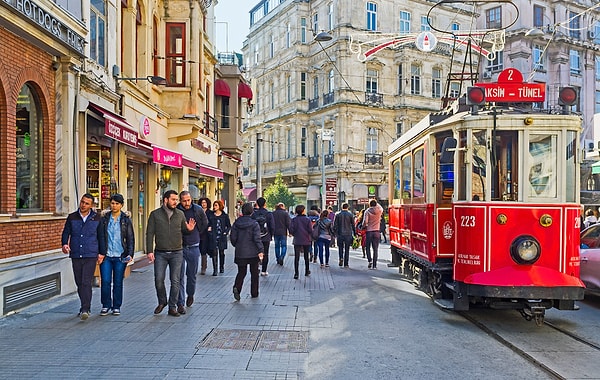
{"x":435,"y":279}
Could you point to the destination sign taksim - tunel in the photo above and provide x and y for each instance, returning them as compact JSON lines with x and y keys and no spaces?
{"x":511,"y":89}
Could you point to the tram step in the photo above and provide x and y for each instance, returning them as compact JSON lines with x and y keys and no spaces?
{"x":449,"y":285}
{"x":444,"y":303}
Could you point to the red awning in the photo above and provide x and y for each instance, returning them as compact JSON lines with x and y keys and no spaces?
{"x":244,"y":91}
{"x":222,"y":88}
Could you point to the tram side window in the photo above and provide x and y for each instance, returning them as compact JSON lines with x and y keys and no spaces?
{"x":542,"y":164}
{"x":406,"y":177}
{"x":462,"y":167}
{"x":419,"y":174}
{"x":397,"y":181}
{"x":479,"y":175}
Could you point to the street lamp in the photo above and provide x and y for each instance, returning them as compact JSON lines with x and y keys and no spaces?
{"x":326,"y":135}
{"x":155,"y":80}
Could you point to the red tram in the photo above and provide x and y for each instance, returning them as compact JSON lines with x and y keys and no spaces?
{"x":485,"y":203}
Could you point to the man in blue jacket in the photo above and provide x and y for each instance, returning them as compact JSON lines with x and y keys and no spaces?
{"x":83,"y":239}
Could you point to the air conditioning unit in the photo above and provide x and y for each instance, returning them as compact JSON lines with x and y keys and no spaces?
{"x":487,"y":74}
{"x":591,"y":34}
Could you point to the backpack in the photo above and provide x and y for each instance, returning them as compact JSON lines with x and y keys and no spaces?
{"x":262,"y":223}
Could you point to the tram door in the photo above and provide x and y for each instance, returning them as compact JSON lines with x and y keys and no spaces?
{"x":444,"y":223}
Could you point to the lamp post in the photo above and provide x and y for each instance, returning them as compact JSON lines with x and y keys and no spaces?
{"x":326,"y":135}
{"x":258,"y":165}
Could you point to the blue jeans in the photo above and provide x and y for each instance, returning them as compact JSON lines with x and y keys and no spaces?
{"x":112,"y":271}
{"x":323,"y":243}
{"x":344,"y":242}
{"x":189,"y":267}
{"x":173,"y":260}
{"x":280,"y":246}
{"x":373,"y":238}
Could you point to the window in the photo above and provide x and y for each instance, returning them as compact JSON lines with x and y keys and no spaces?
{"x":175,"y":54}
{"x":272,"y":91}
{"x":399,"y":127}
{"x":538,"y":58}
{"x":372,"y":145}
{"x":330,"y":16}
{"x":597,"y":104}
{"x":303,"y":142}
{"x":303,"y":30}
{"x":454,"y":90}
{"x":436,"y":83}
{"x":404,"y":22}
{"x":288,"y":139}
{"x":98,"y":31}
{"x":155,"y":46}
{"x":256,"y":54}
{"x":224,"y":112}
{"x":315,"y":144}
{"x":73,"y":7}
{"x":538,"y":16}
{"x":407,"y":177}
{"x":315,"y":20}
{"x":371,"y":85}
{"x":415,"y":80}
{"x":596,"y":30}
{"x":316,"y":87}
{"x":419,"y":174}
{"x":425,"y":23}
{"x":498,"y":63}
{"x":575,"y":62}
{"x":289,"y":88}
{"x":371,"y":16}
{"x":400,"y":80}
{"x":271,"y":47}
{"x":597,"y":68}
{"x":288,"y":36}
{"x":331,"y":82}
{"x":302,"y":86}
{"x":541,"y":166}
{"x":29,"y":153}
{"x":574,"y":25}
{"x":455,"y":27}
{"x":493,"y":18}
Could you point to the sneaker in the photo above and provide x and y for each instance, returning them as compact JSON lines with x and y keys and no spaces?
{"x":295,"y":276}
{"x":104,"y":311}
{"x":84,"y":315}
{"x":370,"y":265}
{"x":322,"y":265}
{"x":346,"y":267}
{"x":326,"y":265}
{"x":341,"y":262}
{"x":264,"y":274}
{"x":236,"y":294}
{"x":117,"y":312}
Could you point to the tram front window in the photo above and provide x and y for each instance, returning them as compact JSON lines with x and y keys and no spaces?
{"x":542,"y":164}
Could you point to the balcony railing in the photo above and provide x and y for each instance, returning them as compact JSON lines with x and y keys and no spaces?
{"x":374,"y":98}
{"x":313,"y":103}
{"x":329,"y":159}
{"x":314,"y":162}
{"x":373,"y":158}
{"x":328,"y":98}
{"x":211,"y":127}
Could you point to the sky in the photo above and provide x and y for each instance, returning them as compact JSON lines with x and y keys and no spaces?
{"x":235,"y":13}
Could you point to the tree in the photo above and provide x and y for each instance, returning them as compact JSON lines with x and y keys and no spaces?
{"x":278,"y":192}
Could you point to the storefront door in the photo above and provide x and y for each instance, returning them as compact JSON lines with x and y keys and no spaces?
{"x":136,"y":201}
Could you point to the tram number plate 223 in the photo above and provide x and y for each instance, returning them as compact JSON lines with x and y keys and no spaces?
{"x":467,"y":221}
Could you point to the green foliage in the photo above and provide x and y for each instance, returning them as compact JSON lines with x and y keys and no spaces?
{"x":278,"y":192}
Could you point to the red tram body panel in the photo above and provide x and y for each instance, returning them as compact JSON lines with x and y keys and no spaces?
{"x":485,"y":208}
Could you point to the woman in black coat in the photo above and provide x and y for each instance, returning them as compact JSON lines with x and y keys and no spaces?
{"x":218,"y":228}
{"x":245,"y":237}
{"x":204,"y":239}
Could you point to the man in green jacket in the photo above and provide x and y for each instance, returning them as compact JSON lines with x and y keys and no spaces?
{"x":164,"y":241}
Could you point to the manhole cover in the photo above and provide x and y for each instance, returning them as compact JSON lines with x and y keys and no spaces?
{"x":281,"y":341}
{"x":231,"y":339}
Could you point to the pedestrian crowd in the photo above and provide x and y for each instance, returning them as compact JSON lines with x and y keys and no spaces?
{"x":181,"y":235}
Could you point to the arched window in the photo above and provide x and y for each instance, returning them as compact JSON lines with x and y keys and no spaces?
{"x":28,"y":137}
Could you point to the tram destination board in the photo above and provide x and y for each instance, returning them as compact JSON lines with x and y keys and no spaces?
{"x":510,"y":88}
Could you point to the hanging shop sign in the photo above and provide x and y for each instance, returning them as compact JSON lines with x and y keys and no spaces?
{"x":167,"y":157}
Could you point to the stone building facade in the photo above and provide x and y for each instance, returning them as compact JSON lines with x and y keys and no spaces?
{"x":302,"y":86}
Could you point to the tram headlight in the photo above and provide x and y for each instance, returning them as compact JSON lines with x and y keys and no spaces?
{"x":525,"y":250}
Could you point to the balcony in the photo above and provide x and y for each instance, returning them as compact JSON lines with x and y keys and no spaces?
{"x":314,"y":162}
{"x":328,"y":98}
{"x":211,"y":127}
{"x":374,"y":159}
{"x":374,"y":98}
{"x":313,"y":103}
{"x":329,"y":159}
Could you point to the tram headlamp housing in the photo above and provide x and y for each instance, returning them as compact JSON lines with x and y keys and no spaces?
{"x":525,"y":250}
